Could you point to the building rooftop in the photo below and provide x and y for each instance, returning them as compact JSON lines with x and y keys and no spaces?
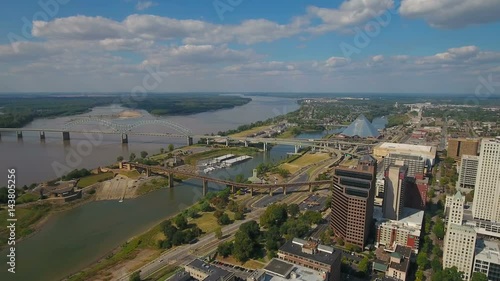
{"x":408,"y":147}
{"x":403,"y":254}
{"x":180,"y":276}
{"x":470,"y":157}
{"x":322,"y":255}
{"x":279,"y":268}
{"x":214,"y":273}
{"x":296,"y":273}
{"x":488,"y":251}
{"x":462,"y":228}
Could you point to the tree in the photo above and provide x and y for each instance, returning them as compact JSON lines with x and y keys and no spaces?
{"x":438,"y":228}
{"x":136,"y":276}
{"x":218,"y":214}
{"x":144,"y":154}
{"x":181,"y":221}
{"x":275,"y":215}
{"x":240,"y":178}
{"x":218,"y":233}
{"x":170,"y":147}
{"x":162,"y":150}
{"x":363,"y":266}
{"x":225,"y":249}
{"x":419,"y":275}
{"x":244,"y":246}
{"x":312,"y":217}
{"x":119,"y":158}
{"x":293,"y":210}
{"x":132,"y":156}
{"x":436,"y":264}
{"x":273,"y":239}
{"x":422,"y":260}
{"x":224,"y":219}
{"x":479,"y":276}
{"x":326,"y":237}
{"x":339,"y":241}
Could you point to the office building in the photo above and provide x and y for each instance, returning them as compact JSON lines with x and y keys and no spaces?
{"x":405,"y":232}
{"x":203,"y":271}
{"x":352,"y":201}
{"x":459,"y":246}
{"x":487,"y":259}
{"x":312,"y":255}
{"x":454,"y":208}
{"x":428,"y":153}
{"x":279,"y":270}
{"x":415,"y":163}
{"x":399,"y":263}
{"x":394,"y":190}
{"x":416,"y":192}
{"x":468,"y":171}
{"x":486,"y":204}
{"x":461,"y":146}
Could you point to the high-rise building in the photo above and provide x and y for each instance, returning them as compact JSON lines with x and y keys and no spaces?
{"x":468,"y":171}
{"x":486,"y":204}
{"x":487,"y":259}
{"x":415,"y":163}
{"x":394,"y":190}
{"x":454,"y":208}
{"x":352,"y":200}
{"x":416,"y":192}
{"x":459,"y":246}
{"x":462,"y":146}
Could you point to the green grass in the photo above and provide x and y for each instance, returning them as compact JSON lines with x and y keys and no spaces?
{"x":27,"y":197}
{"x":26,"y":219}
{"x":192,"y":159}
{"x":152,"y":185}
{"x":208,"y":223}
{"x":164,"y":273}
{"x":134,"y":174}
{"x":89,"y":180}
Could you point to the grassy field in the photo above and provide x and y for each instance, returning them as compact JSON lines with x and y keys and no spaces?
{"x":304,"y":160}
{"x":249,"y":132}
{"x":26,"y":220}
{"x":27,"y":197}
{"x":89,"y":180}
{"x":130,"y":174}
{"x":192,"y":159}
{"x":152,"y":185}
{"x":207,"y":222}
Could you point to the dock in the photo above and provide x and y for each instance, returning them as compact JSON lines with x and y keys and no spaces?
{"x":236,"y":160}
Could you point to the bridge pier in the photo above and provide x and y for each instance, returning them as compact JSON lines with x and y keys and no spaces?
{"x":246,"y":143}
{"x":19,"y":134}
{"x":208,"y":141}
{"x":296,"y":149}
{"x":270,"y":191}
{"x":170,"y":180}
{"x":284,"y":190}
{"x":205,"y":187}
{"x":42,"y":135}
{"x":124,"y":138}
{"x":148,"y":172}
{"x":227,"y":142}
{"x":251,"y":191}
{"x":265,"y":146}
{"x":189,"y":141}
{"x":310,"y":187}
{"x":65,"y":136}
{"x":233,"y":189}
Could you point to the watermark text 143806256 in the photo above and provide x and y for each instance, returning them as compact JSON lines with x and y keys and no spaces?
{"x":11,"y":219}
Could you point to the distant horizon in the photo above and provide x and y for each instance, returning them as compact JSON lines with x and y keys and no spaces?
{"x":347,"y":46}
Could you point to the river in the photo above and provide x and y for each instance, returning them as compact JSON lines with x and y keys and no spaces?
{"x":73,"y":239}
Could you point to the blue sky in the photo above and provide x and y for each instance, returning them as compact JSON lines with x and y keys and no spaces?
{"x":387,"y":46}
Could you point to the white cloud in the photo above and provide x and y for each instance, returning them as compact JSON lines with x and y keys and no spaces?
{"x":80,"y":28}
{"x":143,"y":5}
{"x":350,"y":13}
{"x":452,"y":13}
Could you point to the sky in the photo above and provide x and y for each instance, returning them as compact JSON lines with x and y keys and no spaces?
{"x":337,"y":46}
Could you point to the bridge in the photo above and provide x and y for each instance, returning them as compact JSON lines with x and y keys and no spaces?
{"x":205,"y":180}
{"x":112,"y":128}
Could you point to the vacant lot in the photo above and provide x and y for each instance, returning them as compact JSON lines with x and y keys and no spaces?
{"x":86,"y":181}
{"x":250,"y":132}
{"x":305,"y":160}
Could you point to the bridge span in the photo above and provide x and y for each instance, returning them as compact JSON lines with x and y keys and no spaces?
{"x":251,"y":186}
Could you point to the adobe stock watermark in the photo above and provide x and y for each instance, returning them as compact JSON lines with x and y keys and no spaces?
{"x":48,"y":10}
{"x":364,"y":36}
{"x":223,"y":6}
{"x":84,"y":148}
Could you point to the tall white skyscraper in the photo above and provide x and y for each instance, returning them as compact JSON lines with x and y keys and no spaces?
{"x":395,"y":179}
{"x":459,"y":246}
{"x":486,"y":205}
{"x":455,"y":208}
